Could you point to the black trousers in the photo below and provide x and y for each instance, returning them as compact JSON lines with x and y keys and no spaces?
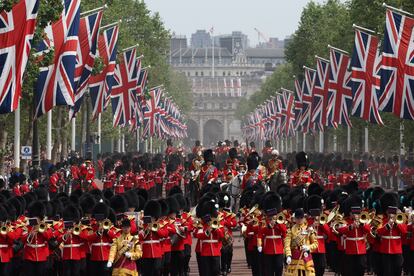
{"x":392,"y":264}
{"x":210,"y":266}
{"x":71,"y":268}
{"x":34,"y":268}
{"x":355,"y":265}
{"x":376,"y":263}
{"x":247,"y":253}
{"x":5,"y":269}
{"x":319,"y":262}
{"x":166,"y":263}
{"x":226,"y":257}
{"x":272,"y":265}
{"x":256,"y":259}
{"x":177,"y":263}
{"x":151,"y":267}
{"x":187,"y":257}
{"x":98,"y":268}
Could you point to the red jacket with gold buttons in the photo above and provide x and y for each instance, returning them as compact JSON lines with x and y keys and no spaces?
{"x":272,"y":238}
{"x":391,"y":238}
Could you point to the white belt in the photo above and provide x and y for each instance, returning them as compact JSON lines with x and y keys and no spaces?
{"x":36,"y":245}
{"x":391,"y":237}
{"x":320,"y":237}
{"x":355,"y":239}
{"x":4,"y":245}
{"x":250,"y":233}
{"x":101,"y":244}
{"x":273,"y":237}
{"x":72,"y":245}
{"x":151,"y":241}
{"x":210,"y":241}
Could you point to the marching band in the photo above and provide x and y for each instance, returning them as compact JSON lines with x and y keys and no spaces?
{"x":146,"y":211}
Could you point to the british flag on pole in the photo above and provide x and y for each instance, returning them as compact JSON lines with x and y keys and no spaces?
{"x":124,"y":88}
{"x":288,"y":114}
{"x":100,"y":85}
{"x":365,"y":63}
{"x":298,"y":103}
{"x":307,"y":100}
{"x":16,"y":32}
{"x":55,"y":84}
{"x":340,"y":93}
{"x":320,"y":93}
{"x":151,"y":112}
{"x":397,"y":70}
{"x":87,"y":49}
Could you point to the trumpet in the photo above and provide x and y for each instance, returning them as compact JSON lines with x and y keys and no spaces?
{"x":76,"y":230}
{"x":106,"y":224}
{"x":4,"y":230}
{"x":41,"y":227}
{"x":323,"y":219}
{"x":215,"y":223}
{"x":154,"y":227}
{"x":401,"y":218}
{"x":279,"y":218}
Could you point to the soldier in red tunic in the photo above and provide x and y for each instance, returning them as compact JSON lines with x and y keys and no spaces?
{"x":197,"y":147}
{"x":303,"y":175}
{"x":208,"y":173}
{"x":253,"y":176}
{"x":267,"y":151}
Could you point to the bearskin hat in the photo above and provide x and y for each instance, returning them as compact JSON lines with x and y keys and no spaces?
{"x":152,"y":209}
{"x":164,"y":207}
{"x":173,"y":205}
{"x":36,"y":209}
{"x":71,"y":213}
{"x":351,"y":187}
{"x":17,"y":205}
{"x":272,"y":201}
{"x":197,"y":143}
{"x":315,"y":189}
{"x":208,"y":155}
{"x":209,"y":208}
{"x":3,"y":214}
{"x":101,"y":209}
{"x":175,"y":190}
{"x":302,"y":159}
{"x":352,"y":201}
{"x":297,"y":202}
{"x":388,"y":199}
{"x":119,"y":204}
{"x":132,"y":199}
{"x":87,"y":202}
{"x":314,"y":202}
{"x":41,"y":193}
{"x":143,"y":193}
{"x":252,"y":162}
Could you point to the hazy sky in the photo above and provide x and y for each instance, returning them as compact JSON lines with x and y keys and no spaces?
{"x":274,"y":18}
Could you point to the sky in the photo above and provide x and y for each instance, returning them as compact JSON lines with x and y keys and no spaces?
{"x":274,"y":18}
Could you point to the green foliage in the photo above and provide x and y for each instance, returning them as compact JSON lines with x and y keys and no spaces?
{"x":7,"y":5}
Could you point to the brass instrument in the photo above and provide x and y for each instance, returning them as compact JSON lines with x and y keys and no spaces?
{"x":323,"y":219}
{"x":106,"y":224}
{"x":339,"y":220}
{"x":215,"y":223}
{"x":333,"y":213}
{"x":366,"y":218}
{"x":155,"y":227}
{"x":41,"y":227}
{"x":401,"y":218}
{"x":4,"y":229}
{"x":375,"y":224}
{"x":76,"y":230}
{"x":279,"y":218}
{"x":197,"y":224}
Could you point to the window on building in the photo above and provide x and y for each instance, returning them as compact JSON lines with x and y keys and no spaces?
{"x":201,"y":73}
{"x":196,"y":74}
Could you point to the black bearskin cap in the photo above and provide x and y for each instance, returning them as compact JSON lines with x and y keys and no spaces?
{"x":252,"y":162}
{"x":272,"y":201}
{"x":223,"y":200}
{"x":71,"y":213}
{"x":388,"y":199}
{"x":132,"y":199}
{"x":175,"y":190}
{"x":233,"y":153}
{"x":101,"y":209}
{"x":302,"y":159}
{"x":36,"y":209}
{"x":315,"y":189}
{"x":314,"y":202}
{"x":173,"y":204}
{"x":119,"y":204}
{"x":87,"y":202}
{"x":152,"y":209}
{"x":181,"y":201}
{"x":208,"y":156}
{"x":164,"y":207}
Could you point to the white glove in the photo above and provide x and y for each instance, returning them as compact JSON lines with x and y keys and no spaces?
{"x":305,"y":248}
{"x":289,"y":260}
{"x":128,"y":255}
{"x":260,"y":249}
{"x":109,"y":264}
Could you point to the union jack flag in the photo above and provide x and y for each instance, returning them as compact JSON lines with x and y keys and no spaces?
{"x":88,"y":37}
{"x":55,"y":84}
{"x":124,"y":88}
{"x":340,"y":93}
{"x":288,"y":114}
{"x":298,"y":103}
{"x":397,"y":71}
{"x":309,"y":82}
{"x":100,"y":85}
{"x":16,"y":32}
{"x":320,"y":93}
{"x":151,"y":112}
{"x":365,"y":63}
{"x":137,"y":112}
{"x":142,"y":83}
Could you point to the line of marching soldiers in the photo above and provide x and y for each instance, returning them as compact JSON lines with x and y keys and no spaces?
{"x":305,"y":231}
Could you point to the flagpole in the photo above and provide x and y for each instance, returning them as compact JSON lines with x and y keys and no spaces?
{"x":138,"y":139}
{"x":321,"y":149}
{"x":150,"y":144}
{"x":99,"y":133}
{"x":73,"y":135}
{"x":103,"y":28}
{"x":335,"y":145}
{"x":94,"y":10}
{"x":119,"y":140}
{"x":123,"y":142}
{"x":297,"y":141}
{"x":17,"y":137}
{"x":304,"y":142}
{"x":49,"y":136}
{"x":348,"y":139}
{"x":402,"y":150}
{"x":212,"y":64}
{"x":366,"y":139}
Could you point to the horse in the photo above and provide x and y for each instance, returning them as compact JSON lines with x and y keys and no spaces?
{"x":276,"y":179}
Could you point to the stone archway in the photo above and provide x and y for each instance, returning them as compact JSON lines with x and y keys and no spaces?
{"x":192,"y":133}
{"x":213,"y":131}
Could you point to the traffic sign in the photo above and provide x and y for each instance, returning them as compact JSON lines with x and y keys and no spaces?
{"x":26,"y":152}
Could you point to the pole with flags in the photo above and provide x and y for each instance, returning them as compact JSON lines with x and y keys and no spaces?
{"x":49,"y":136}
{"x":17,"y":137}
{"x":212,"y":58}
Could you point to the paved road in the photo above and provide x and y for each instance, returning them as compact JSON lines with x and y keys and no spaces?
{"x":239,"y":265}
